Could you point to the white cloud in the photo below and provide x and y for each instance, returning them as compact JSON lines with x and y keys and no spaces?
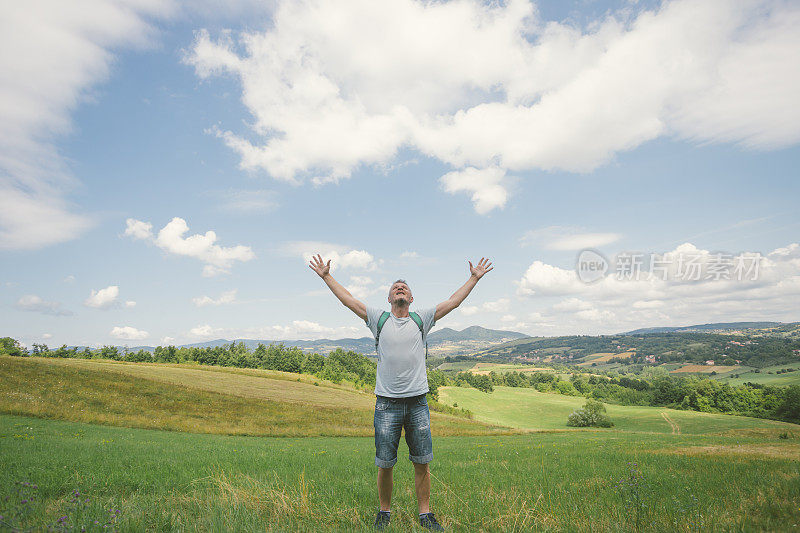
{"x":541,"y":278}
{"x":647,"y":304}
{"x":138,"y":229}
{"x":130,"y":304}
{"x":225,"y":298}
{"x":497,"y":306}
{"x":166,"y":341}
{"x":409,"y":255}
{"x":487,"y":89}
{"x":361,"y":286}
{"x":339,"y":255}
{"x":128,"y":333}
{"x":170,"y":238}
{"x":469,"y":310}
{"x":59,"y":56}
{"x":35,"y":304}
{"x":248,"y":201}
{"x":486,"y":186}
{"x":69,"y":279}
{"x":665,"y":296}
{"x":595,"y":315}
{"x":103,"y":298}
{"x":568,"y":238}
{"x":47,"y":336}
{"x":572,"y":304}
{"x":296,"y":330}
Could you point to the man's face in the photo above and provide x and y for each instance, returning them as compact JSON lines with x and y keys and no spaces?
{"x":400,"y":294}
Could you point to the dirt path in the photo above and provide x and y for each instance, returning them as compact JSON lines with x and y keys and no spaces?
{"x":676,"y":429}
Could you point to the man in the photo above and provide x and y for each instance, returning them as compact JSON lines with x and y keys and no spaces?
{"x":401,"y":382}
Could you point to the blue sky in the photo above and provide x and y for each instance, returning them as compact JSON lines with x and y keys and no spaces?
{"x":523,"y":132}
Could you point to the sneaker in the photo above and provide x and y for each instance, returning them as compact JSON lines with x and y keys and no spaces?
{"x":382,"y":520}
{"x":428,"y":521}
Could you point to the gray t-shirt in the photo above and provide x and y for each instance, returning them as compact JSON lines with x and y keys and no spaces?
{"x":401,"y":353}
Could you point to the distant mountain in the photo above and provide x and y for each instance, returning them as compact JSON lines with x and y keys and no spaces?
{"x":445,"y":341}
{"x":719,"y":326}
{"x":473,"y":333}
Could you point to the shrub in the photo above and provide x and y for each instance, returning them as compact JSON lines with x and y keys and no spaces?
{"x":592,"y":414}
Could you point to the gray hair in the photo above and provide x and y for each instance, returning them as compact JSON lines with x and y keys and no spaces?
{"x":399,"y":281}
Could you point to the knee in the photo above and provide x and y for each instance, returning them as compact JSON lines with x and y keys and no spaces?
{"x":421,"y":468}
{"x":385,"y":471}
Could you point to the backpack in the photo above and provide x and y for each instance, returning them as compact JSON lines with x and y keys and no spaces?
{"x":414,"y":316}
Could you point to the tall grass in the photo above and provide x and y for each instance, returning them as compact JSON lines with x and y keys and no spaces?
{"x":576,"y":481}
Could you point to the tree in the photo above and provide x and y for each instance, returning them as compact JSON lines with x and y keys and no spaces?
{"x":789,"y":409}
{"x":9,"y":346}
{"x":313,"y":364}
{"x":592,"y":414}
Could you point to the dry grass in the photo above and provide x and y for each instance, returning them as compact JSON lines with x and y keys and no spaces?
{"x":704,"y":369}
{"x":676,"y":429}
{"x":47,"y":388}
{"x":604,"y":357}
{"x":771,"y":451}
{"x":766,"y":432}
{"x":486,"y":368}
{"x":246,"y":383}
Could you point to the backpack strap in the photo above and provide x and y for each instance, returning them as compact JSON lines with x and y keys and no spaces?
{"x":418,"y":321}
{"x":414,"y":316}
{"x":381,"y":321}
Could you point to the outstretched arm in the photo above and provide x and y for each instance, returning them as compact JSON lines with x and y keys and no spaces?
{"x":475,"y":273}
{"x":323,"y":270}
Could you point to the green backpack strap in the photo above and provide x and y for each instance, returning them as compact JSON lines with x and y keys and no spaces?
{"x":414,"y":316}
{"x":381,"y":321}
{"x":418,"y":321}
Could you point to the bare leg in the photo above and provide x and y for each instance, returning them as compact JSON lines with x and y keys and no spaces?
{"x":385,"y":488}
{"x":422,"y":482}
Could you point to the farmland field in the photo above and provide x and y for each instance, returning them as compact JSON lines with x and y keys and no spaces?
{"x":604,"y":357}
{"x":766,"y":376}
{"x":656,"y":470}
{"x":456,"y":365}
{"x":485,"y":368}
{"x":704,"y":369}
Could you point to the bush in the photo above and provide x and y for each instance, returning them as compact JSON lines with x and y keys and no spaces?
{"x":592,"y":414}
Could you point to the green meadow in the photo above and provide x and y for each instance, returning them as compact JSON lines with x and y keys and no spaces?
{"x":765,"y":376}
{"x":530,"y":409}
{"x":185,"y":468}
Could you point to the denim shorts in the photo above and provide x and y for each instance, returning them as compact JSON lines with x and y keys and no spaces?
{"x":392,"y":415}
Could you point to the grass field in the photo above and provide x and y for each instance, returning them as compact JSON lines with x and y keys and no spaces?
{"x":527,"y":408}
{"x":177,"y":398}
{"x":764,"y":377}
{"x":578,"y":481}
{"x":656,"y":470}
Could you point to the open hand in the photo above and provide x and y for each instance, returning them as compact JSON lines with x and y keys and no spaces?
{"x":317,"y":265}
{"x":483,"y":266}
